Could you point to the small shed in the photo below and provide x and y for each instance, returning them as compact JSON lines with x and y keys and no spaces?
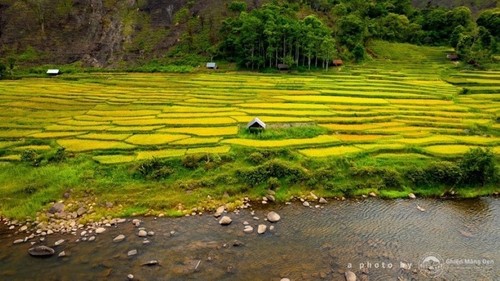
{"x":53,"y":72}
{"x":256,"y":124}
{"x":211,"y":65}
{"x":452,"y":57}
{"x":282,"y":66}
{"x":338,"y":62}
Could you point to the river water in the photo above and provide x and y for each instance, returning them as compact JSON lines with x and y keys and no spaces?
{"x":386,"y":240}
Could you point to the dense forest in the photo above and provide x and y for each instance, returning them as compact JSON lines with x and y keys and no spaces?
{"x":255,"y":34}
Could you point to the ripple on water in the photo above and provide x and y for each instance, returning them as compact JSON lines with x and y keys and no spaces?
{"x":306,"y":244}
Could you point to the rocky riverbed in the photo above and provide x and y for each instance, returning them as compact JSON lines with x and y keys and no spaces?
{"x":322,"y":241}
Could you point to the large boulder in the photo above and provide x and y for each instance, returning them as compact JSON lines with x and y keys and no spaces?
{"x":41,"y":251}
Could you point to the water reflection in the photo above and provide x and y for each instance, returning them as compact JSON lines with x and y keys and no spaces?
{"x":372,"y":236}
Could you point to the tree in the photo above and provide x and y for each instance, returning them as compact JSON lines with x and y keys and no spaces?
{"x":237,"y":6}
{"x":327,"y":50}
{"x":41,"y":9}
{"x":490,"y":19}
{"x":351,"y":30}
{"x":455,"y":35}
{"x":394,"y":27}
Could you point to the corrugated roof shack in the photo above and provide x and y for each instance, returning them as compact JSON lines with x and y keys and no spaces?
{"x":53,"y":72}
{"x":256,"y":125}
{"x":211,"y":65}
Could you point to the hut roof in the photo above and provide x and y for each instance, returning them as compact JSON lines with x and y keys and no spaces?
{"x":256,"y":122}
{"x":338,"y":62}
{"x":53,"y":71}
{"x":211,"y":65}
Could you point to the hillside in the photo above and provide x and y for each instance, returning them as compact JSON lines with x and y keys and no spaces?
{"x":112,"y":33}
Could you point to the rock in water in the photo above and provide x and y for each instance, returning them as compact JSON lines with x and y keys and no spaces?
{"x":41,"y":251}
{"x":412,"y":196}
{"x":322,"y":200}
{"x":420,"y":208}
{"x":219,"y":211}
{"x":306,"y":204}
{"x":285,"y":279}
{"x":261,"y":229}
{"x":248,"y":229}
{"x":59,"y":242}
{"x":142,"y":233}
{"x":273,"y":217}
{"x":62,"y":254}
{"x":350,"y":276}
{"x":18,"y":241}
{"x":130,"y":277}
{"x":225,"y":220}
{"x":119,"y":238}
{"x":151,"y":263}
{"x":100,"y":230}
{"x":132,"y":253}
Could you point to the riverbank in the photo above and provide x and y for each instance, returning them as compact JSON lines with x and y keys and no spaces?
{"x":204,"y":182}
{"x":307,"y":243}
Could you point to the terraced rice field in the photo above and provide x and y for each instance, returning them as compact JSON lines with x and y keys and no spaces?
{"x":370,"y":110}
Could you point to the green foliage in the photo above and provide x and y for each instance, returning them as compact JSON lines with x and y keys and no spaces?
{"x":237,"y":6}
{"x":153,"y":169}
{"x":273,"y":169}
{"x":374,"y":177}
{"x":440,"y":173}
{"x":298,"y":132}
{"x":478,"y":167}
{"x":31,"y":157}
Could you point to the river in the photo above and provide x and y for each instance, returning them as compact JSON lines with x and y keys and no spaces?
{"x":385,"y":239}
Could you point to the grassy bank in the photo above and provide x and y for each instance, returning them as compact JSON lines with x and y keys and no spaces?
{"x":175,"y":186}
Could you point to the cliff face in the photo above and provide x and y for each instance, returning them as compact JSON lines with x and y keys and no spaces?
{"x":95,"y":32}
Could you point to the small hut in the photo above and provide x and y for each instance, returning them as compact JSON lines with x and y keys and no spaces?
{"x":53,"y":72}
{"x":452,"y":57}
{"x":256,"y":125}
{"x":211,"y":65}
{"x":282,"y":66}
{"x":338,"y":62}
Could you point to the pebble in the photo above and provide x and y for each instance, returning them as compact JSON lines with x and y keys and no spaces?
{"x":59,"y":242}
{"x":412,"y":196}
{"x":62,"y":254}
{"x":248,"y":229}
{"x":100,"y":230}
{"x":245,"y":223}
{"x":372,"y":194}
{"x":132,"y":253}
{"x":219,"y":211}
{"x":151,"y":233}
{"x":273,"y":217}
{"x":83,"y":233}
{"x":322,"y":200}
{"x":130,"y":277}
{"x":23,"y":228}
{"x":136,"y":222}
{"x":142,"y":233}
{"x":18,"y":241}
{"x":145,"y":242}
{"x":92,"y":238}
{"x":50,"y":232}
{"x":261,"y":229}
{"x":306,"y":204}
{"x":119,"y":238}
{"x":350,"y":276}
{"x":271,"y":228}
{"x":225,"y":220}
{"x":285,"y":279}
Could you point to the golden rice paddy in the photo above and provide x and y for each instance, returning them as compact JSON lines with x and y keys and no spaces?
{"x":154,"y":139}
{"x":131,"y":117}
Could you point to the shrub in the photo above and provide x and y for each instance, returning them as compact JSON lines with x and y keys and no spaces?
{"x":273,"y":183}
{"x":31,"y":157}
{"x":237,"y":6}
{"x":153,"y":169}
{"x":274,"y":168}
{"x":440,"y":173}
{"x":256,"y":158}
{"x":478,"y":167}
